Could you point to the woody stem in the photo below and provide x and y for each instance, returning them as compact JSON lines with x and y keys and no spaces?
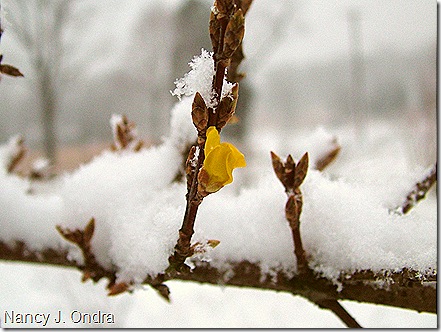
{"x":182,"y":248}
{"x":302,"y":263}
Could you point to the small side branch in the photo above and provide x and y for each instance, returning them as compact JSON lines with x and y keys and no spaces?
{"x":340,"y":312}
{"x":419,"y":191}
{"x":329,"y":157}
{"x":125,"y":136}
{"x":292,"y":175}
{"x":91,"y":268}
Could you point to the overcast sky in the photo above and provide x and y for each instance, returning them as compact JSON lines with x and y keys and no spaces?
{"x":319,"y":29}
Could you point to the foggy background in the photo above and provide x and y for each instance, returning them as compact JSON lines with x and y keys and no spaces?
{"x":308,"y":63}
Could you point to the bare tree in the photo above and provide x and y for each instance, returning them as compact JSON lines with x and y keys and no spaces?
{"x":38,"y":26}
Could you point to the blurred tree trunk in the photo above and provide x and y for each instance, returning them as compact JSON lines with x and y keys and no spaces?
{"x":39,"y":26}
{"x":48,"y":104}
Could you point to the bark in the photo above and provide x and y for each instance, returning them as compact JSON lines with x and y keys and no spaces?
{"x":403,"y":290}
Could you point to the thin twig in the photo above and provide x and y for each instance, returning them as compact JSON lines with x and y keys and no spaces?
{"x":17,"y":154}
{"x":328,"y":158}
{"x":292,"y":175}
{"x":419,"y":191}
{"x":226,"y":32}
{"x":338,"y":310}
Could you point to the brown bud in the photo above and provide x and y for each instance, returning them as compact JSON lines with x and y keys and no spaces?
{"x":71,"y":236}
{"x":199,"y":113}
{"x":89,"y":230}
{"x":163,"y":290}
{"x":225,"y":7}
{"x":125,"y":136}
{"x":278,"y":167}
{"x":301,"y":170}
{"x":214,"y":29}
{"x":118,"y":288}
{"x":10,"y":70}
{"x":290,"y":174}
{"x":203,"y":179}
{"x":189,"y":166}
{"x":293,"y":209}
{"x":227,"y":107}
{"x":325,"y":160}
{"x":234,"y":33}
{"x":290,"y":171}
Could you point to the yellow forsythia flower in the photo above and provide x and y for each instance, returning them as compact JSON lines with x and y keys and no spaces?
{"x":220,"y":160}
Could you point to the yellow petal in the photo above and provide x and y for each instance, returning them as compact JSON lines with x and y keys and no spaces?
{"x":215,"y":164}
{"x":213,"y":139}
{"x":220,"y":161}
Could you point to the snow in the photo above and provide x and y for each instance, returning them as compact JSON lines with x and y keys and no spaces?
{"x":138,"y":206}
{"x":199,"y":79}
{"x":346,"y":222}
{"x":193,"y":305}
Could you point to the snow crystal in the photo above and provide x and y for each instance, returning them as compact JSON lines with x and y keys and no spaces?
{"x":200,"y":79}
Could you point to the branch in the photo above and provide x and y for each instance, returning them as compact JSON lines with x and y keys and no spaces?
{"x":16,"y":154}
{"x":226,"y":33}
{"x":341,"y":312}
{"x":419,"y":191}
{"x":405,"y":289}
{"x":292,"y":176}
{"x":329,"y":157}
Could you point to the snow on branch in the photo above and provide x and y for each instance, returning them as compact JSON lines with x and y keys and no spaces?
{"x":419,"y":191}
{"x":407,"y":290}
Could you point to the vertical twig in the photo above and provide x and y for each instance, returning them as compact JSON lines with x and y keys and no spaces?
{"x":292,"y":175}
{"x":226,"y":33}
